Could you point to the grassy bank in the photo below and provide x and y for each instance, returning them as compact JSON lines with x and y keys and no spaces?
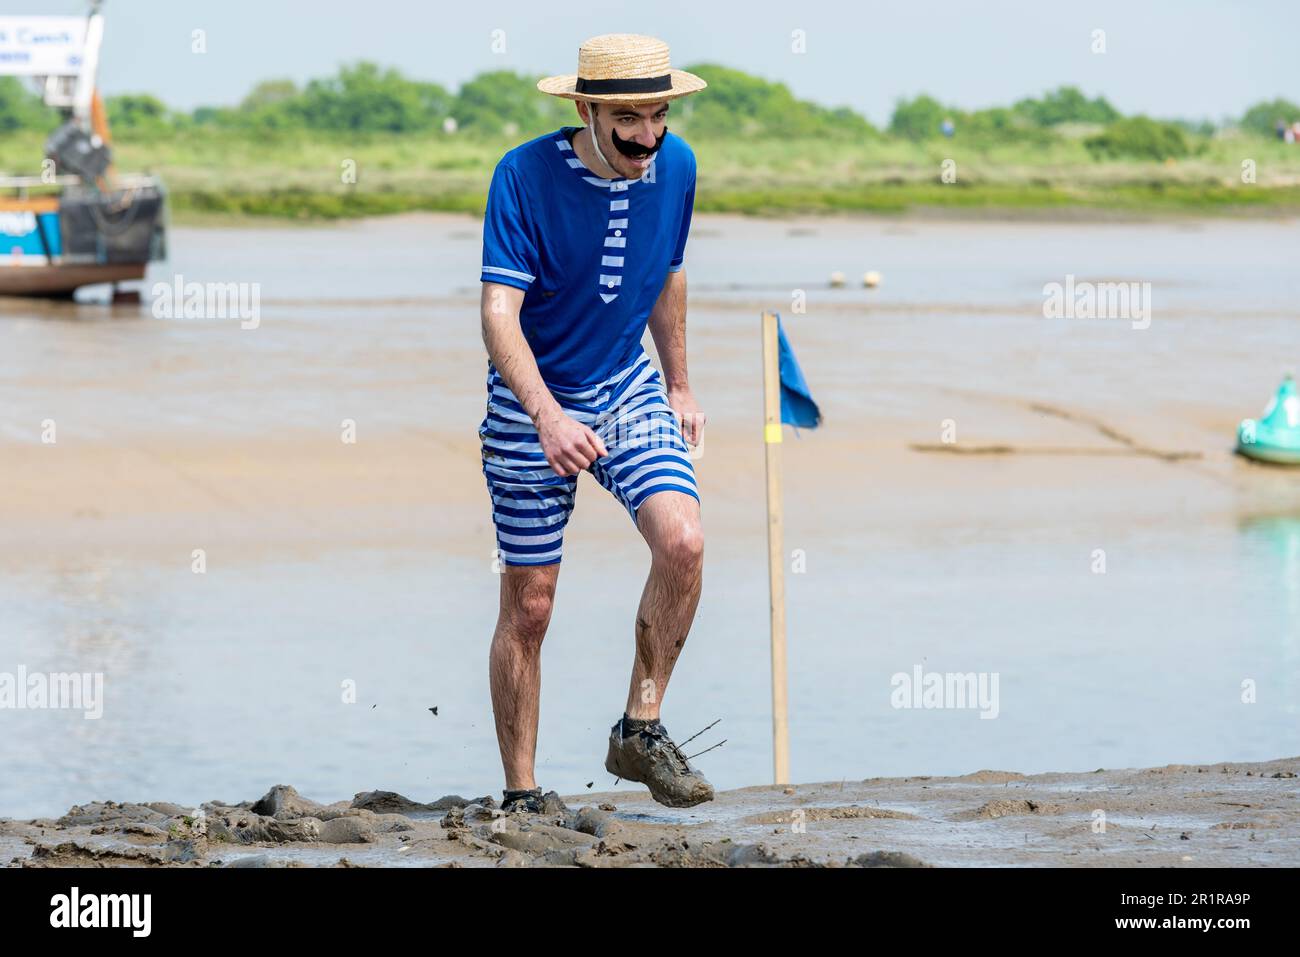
{"x":302,"y":176}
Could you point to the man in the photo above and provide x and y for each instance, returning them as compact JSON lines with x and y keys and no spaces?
{"x":583,"y":246}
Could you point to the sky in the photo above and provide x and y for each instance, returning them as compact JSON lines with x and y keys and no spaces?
{"x":1194,"y":59}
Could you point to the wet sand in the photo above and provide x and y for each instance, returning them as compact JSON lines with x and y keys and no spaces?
{"x":1237,"y":815}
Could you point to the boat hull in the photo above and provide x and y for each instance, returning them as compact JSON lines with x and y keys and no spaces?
{"x":50,"y":245}
{"x":63,"y":279}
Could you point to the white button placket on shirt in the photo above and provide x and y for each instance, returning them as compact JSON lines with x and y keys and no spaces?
{"x":610,"y":277}
{"x":611,"y":263}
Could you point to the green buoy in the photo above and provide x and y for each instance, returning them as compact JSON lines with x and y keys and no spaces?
{"x":1276,"y":436}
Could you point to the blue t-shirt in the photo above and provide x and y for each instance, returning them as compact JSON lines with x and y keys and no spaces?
{"x":591,"y":253}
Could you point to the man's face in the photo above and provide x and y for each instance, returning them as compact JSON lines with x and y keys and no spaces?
{"x":628,"y":134}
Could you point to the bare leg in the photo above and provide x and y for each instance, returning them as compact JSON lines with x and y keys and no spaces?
{"x":515,"y":666}
{"x":670,"y":523}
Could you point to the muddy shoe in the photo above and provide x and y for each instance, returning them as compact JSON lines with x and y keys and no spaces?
{"x":522,"y":799}
{"x":649,"y":757}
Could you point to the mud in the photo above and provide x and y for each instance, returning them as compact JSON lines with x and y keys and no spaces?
{"x":1171,"y":816}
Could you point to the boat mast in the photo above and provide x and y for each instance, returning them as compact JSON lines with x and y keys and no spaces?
{"x":83,"y":102}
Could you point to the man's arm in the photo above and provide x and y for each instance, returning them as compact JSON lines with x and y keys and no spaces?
{"x":668,"y":328}
{"x":569,"y":445}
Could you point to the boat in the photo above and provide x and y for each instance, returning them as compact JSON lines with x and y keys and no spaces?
{"x":72,"y":221}
{"x":1275,"y":437}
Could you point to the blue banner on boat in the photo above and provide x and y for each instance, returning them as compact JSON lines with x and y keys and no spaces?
{"x":797,"y":405}
{"x":30,"y":234}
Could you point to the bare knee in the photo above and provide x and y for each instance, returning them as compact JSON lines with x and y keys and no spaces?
{"x":526,"y":608}
{"x":681,"y":547}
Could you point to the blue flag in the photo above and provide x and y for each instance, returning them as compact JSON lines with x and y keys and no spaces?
{"x":797,"y":405}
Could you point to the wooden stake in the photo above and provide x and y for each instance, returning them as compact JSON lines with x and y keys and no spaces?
{"x":775,"y":548}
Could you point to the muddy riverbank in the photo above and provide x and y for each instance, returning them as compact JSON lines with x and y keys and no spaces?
{"x":1235,"y":815}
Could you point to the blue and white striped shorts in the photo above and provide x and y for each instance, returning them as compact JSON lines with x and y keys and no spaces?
{"x":531,"y":504}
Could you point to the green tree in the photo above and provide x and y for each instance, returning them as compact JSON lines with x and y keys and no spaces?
{"x":492,"y":102}
{"x":271,"y":105}
{"x":918,"y":119}
{"x":138,"y":113}
{"x":1139,"y":137}
{"x":1066,"y":104}
{"x":270,"y":93}
{"x":736,"y":103}
{"x":215,"y":116}
{"x":1000,"y":125}
{"x":364,"y":98}
{"x":22,"y":109}
{"x":1262,"y":117}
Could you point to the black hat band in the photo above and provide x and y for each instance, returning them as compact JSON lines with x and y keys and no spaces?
{"x":638,"y":84}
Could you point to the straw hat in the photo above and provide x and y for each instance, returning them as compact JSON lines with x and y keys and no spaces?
{"x":623,"y":68}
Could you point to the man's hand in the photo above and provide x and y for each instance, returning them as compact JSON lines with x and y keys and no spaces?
{"x":689,"y":417}
{"x":568,"y":444}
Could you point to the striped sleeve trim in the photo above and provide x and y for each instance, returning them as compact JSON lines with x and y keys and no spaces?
{"x":512,"y":273}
